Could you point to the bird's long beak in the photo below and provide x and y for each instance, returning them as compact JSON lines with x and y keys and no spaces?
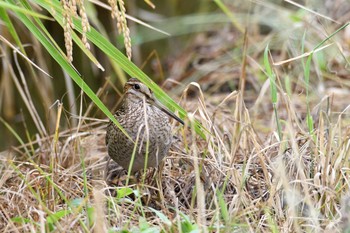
{"x":167,"y":111}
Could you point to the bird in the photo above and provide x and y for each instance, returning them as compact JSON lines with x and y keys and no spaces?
{"x":147,"y":123}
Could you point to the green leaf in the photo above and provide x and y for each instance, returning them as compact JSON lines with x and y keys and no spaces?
{"x":18,"y":9}
{"x":91,"y":215}
{"x":10,"y":27}
{"x":271,"y":75}
{"x":114,"y":54}
{"x":161,"y":216}
{"x":19,"y":219}
{"x":15,"y":134}
{"x":124,"y":192}
{"x":53,"y":218}
{"x":223,"y":207}
{"x":186,"y":224}
{"x":62,"y":61}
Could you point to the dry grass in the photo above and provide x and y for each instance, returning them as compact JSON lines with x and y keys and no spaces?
{"x":240,"y":178}
{"x":244,"y":177}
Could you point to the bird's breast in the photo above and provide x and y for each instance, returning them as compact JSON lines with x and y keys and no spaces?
{"x":134,"y":119}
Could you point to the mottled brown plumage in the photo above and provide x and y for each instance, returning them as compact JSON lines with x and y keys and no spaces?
{"x":139,"y":104}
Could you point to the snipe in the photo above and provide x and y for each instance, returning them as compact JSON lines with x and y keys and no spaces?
{"x":146,"y":121}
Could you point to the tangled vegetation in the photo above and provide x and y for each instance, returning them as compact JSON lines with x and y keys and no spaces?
{"x":264,"y":91}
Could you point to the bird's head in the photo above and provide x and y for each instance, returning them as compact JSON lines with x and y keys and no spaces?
{"x":135,"y":91}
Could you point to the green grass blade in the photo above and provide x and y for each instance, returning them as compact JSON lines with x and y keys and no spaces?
{"x":62,"y":61}
{"x":309,"y":120}
{"x":10,"y":27}
{"x":272,"y":77}
{"x":15,"y":8}
{"x":15,"y":134}
{"x":229,"y":14}
{"x":114,"y":54}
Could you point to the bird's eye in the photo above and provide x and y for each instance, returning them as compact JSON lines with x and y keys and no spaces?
{"x":137,"y":87}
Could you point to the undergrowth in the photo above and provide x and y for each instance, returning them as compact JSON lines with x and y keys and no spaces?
{"x":265,"y":146}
